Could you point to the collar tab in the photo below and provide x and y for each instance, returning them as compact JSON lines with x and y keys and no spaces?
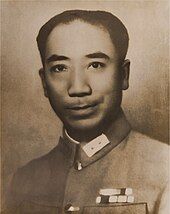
{"x":95,"y":145}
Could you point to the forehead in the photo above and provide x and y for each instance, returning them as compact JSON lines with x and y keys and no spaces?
{"x":79,"y":38}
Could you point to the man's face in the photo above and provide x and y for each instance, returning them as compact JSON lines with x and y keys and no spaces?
{"x":81,"y":76}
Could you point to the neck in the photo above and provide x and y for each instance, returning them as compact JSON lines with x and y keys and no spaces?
{"x":83,"y":136}
{"x":89,"y":134}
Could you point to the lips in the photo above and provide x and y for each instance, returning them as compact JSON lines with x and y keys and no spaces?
{"x":82,"y":106}
{"x":82,"y":110}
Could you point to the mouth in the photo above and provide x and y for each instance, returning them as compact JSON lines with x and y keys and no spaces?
{"x":83,"y":110}
{"x":81,"y":107}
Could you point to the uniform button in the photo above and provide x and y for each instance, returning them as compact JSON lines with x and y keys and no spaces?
{"x":70,"y":208}
{"x":78,"y":165}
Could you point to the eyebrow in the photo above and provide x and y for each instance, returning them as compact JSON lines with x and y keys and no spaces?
{"x":56,"y":57}
{"x":98,"y":55}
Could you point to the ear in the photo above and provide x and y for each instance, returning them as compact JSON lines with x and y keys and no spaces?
{"x":42,"y":75}
{"x":125,"y":70}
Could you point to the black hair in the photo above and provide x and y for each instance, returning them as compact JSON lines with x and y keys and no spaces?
{"x":116,"y":29}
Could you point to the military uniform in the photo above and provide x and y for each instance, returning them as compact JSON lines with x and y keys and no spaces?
{"x":69,"y":178}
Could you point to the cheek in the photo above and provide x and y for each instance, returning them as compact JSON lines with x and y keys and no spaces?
{"x":56,"y":93}
{"x":105,"y":84}
{"x":56,"y":86}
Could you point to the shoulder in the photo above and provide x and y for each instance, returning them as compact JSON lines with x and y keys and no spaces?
{"x":149,"y":157}
{"x":26,"y":180}
{"x":39,"y":177}
{"x":143,"y":159}
{"x":35,"y":173}
{"x":151,"y":149}
{"x":37,"y":164}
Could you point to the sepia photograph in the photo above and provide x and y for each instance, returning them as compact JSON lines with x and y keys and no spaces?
{"x":85,"y":107}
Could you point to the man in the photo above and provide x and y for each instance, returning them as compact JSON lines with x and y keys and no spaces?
{"x":99,"y":165}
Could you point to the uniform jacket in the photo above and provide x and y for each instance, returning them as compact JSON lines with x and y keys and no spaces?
{"x":52,"y":182}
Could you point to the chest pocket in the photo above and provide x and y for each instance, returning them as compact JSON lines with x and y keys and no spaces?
{"x":135,"y":208}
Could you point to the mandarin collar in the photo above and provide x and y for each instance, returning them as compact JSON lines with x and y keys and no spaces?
{"x":117,"y":132}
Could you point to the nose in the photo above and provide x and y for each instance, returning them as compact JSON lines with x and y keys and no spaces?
{"x":79,"y":85}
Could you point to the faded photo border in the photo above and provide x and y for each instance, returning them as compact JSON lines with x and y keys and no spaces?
{"x":29,"y":128}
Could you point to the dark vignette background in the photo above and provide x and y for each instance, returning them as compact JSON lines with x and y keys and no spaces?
{"x":29,"y":126}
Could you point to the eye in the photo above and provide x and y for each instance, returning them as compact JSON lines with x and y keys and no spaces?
{"x":96,"y":65}
{"x":58,"y":68}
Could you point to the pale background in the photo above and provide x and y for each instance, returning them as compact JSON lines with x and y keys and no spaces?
{"x":29,"y":126}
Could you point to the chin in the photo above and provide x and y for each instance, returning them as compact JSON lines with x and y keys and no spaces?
{"x":84,"y":124}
